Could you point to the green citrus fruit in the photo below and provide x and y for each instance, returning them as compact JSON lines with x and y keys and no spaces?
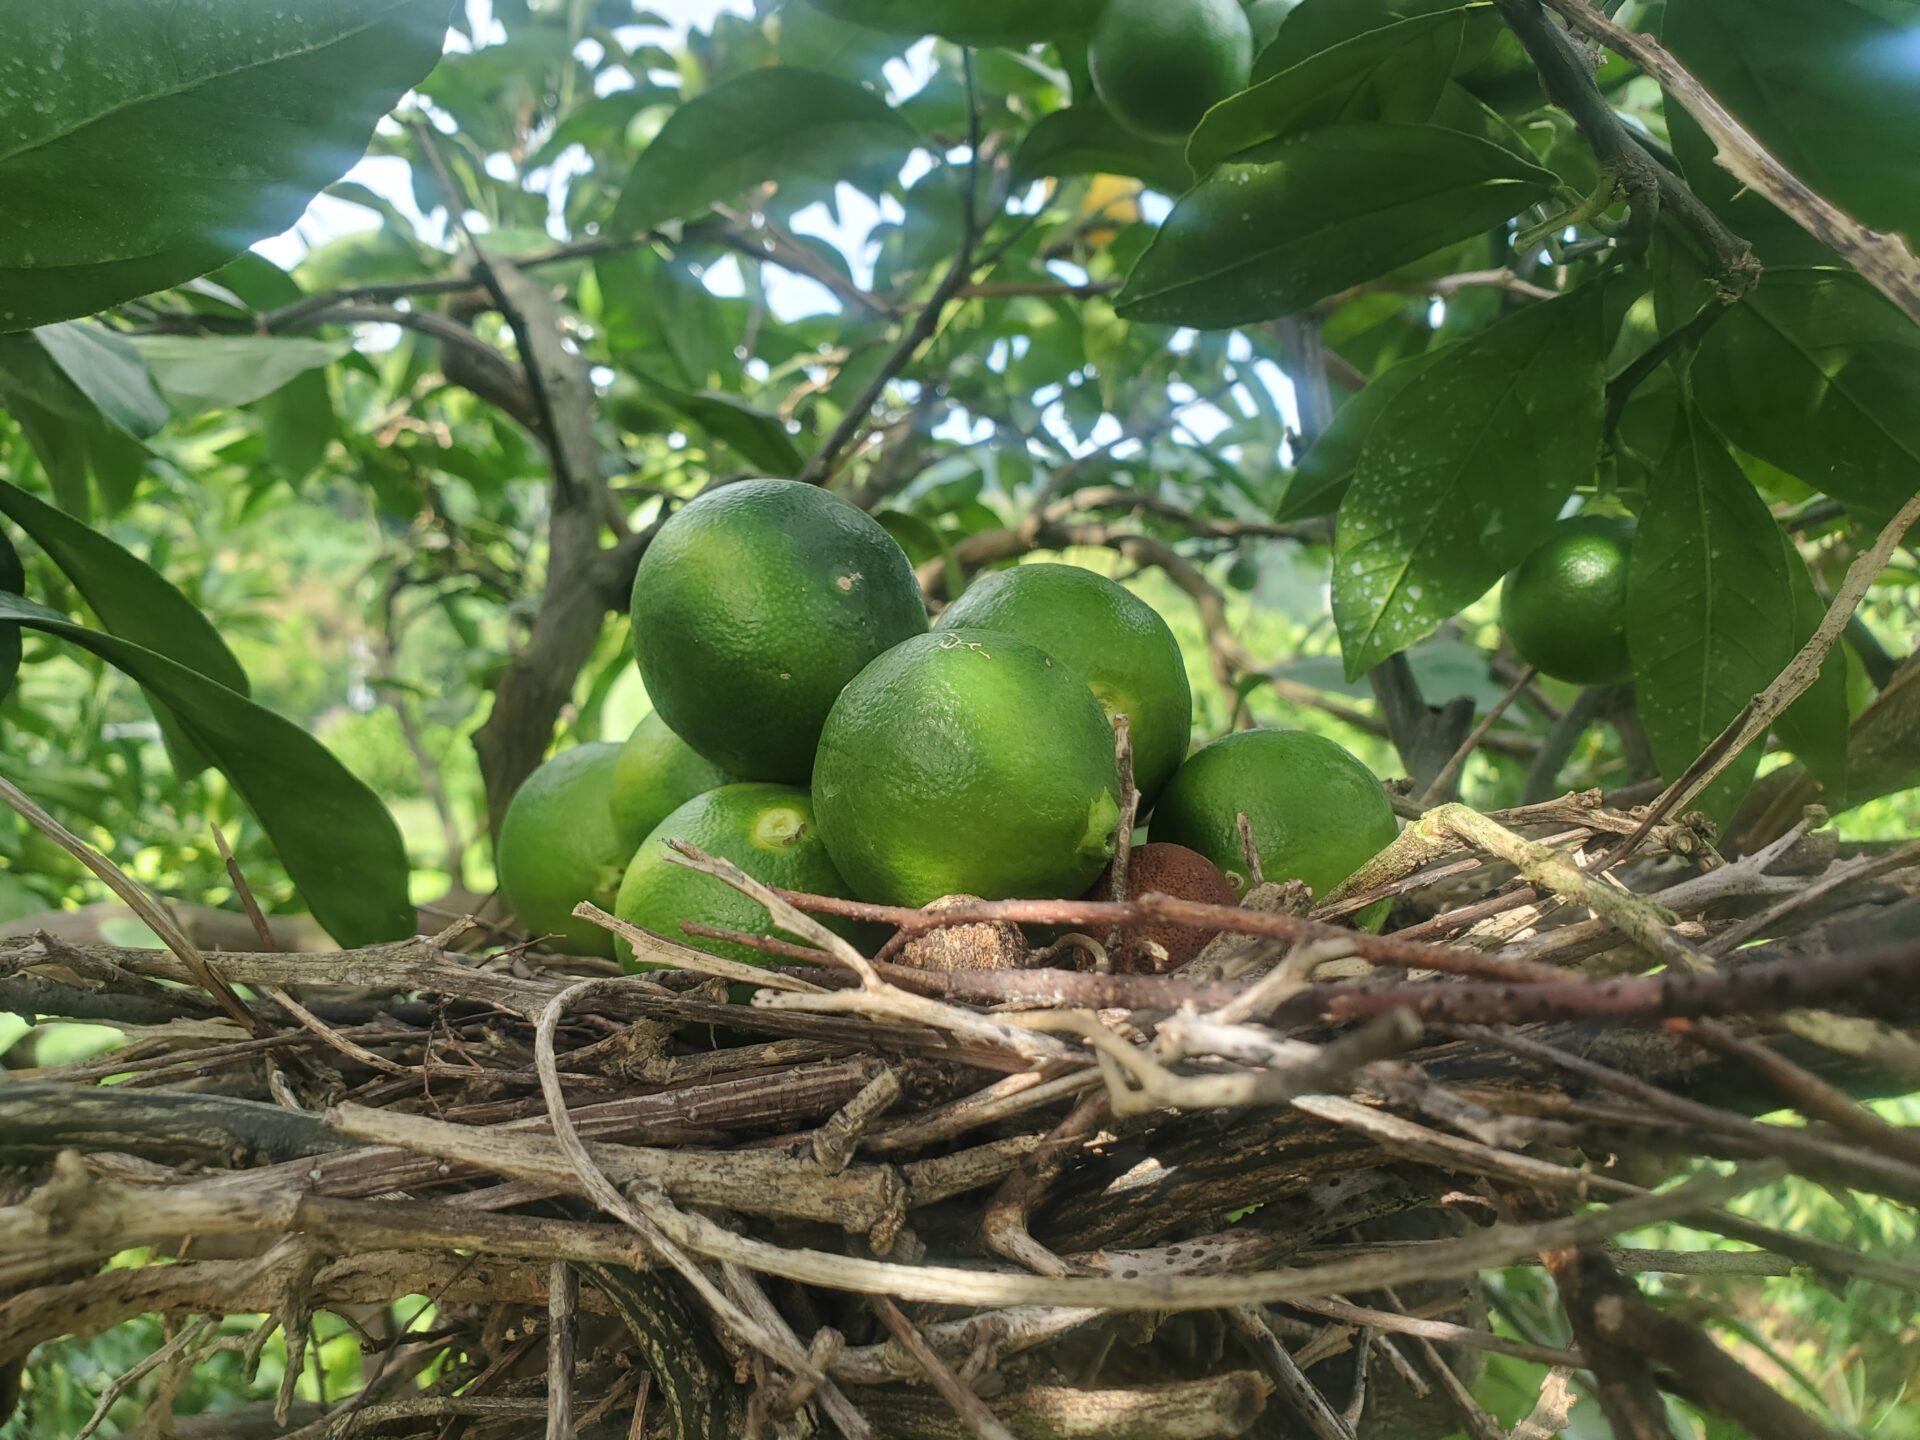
{"x":1564,"y":607}
{"x":1264,"y":17}
{"x":1317,"y":813}
{"x":657,"y":772}
{"x":1159,"y":65}
{"x":967,"y":762}
{"x":753,"y":606}
{"x":1112,"y":638}
{"x":559,"y":845}
{"x":767,"y":830}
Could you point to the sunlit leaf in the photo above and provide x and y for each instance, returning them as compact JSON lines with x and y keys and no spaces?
{"x":336,"y":839}
{"x":1463,"y":472}
{"x":131,"y":600}
{"x":182,"y":134}
{"x":1291,"y":222}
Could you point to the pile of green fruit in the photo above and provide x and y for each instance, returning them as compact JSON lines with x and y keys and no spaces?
{"x":810,"y":727}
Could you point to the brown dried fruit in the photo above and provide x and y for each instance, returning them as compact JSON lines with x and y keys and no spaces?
{"x":993,"y":945}
{"x":1169,"y":870}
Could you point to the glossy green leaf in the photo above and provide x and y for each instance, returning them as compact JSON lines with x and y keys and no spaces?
{"x":60,"y":444}
{"x":1815,"y":727}
{"x":1396,"y":73}
{"x":337,"y":841}
{"x":1316,"y":25}
{"x":1818,"y":374}
{"x":1463,"y":472}
{"x":759,"y":437}
{"x":778,"y":123}
{"x":107,"y":368}
{"x":150,"y":142}
{"x":132,"y":600}
{"x":217,"y":372}
{"x":811,"y":38}
{"x":1708,"y":621}
{"x":1293,"y":221}
{"x":1085,"y":139}
{"x":1320,"y":479}
{"x":970,"y":22}
{"x":1831,"y":89}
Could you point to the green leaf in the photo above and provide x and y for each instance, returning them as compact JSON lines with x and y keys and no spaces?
{"x":132,"y":600}
{"x":150,"y":142}
{"x":60,"y":445}
{"x":13,"y":581}
{"x":1298,"y":219}
{"x":1463,"y":472}
{"x":923,"y":541}
{"x":778,"y":123}
{"x":217,"y":372}
{"x":1815,"y":727}
{"x":1824,"y":86}
{"x":1320,"y":479}
{"x":1085,"y":139}
{"x":1817,"y":373}
{"x":109,"y":371}
{"x":761,"y":440}
{"x":1704,"y":620}
{"x":970,"y":22}
{"x":1396,"y":73}
{"x":337,"y":841}
{"x":1316,"y":25}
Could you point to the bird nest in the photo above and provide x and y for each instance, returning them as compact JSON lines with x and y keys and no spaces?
{"x":1074,"y":1198}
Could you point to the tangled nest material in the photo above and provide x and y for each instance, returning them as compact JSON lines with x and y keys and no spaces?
{"x":888,"y":1201}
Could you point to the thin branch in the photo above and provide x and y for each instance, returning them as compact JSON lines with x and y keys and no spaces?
{"x":1759,"y":714}
{"x":972,"y":1410}
{"x":820,"y":466}
{"x":1442,"y":783}
{"x":1881,"y":256}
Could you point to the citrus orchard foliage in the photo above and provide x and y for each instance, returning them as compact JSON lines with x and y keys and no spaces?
{"x":1375,"y":295}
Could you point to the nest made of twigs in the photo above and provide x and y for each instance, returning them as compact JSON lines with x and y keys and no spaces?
{"x":1034,"y":1195}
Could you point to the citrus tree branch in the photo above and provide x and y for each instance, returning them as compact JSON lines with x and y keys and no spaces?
{"x":1884,"y":259}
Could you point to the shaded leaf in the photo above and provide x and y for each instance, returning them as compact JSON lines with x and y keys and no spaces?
{"x":150,"y":142}
{"x":1819,"y":85}
{"x":759,"y":437}
{"x":969,"y":22}
{"x":13,"y":581}
{"x":1293,"y":221}
{"x":1817,"y":373}
{"x":337,"y":841}
{"x":217,"y":372}
{"x":59,"y":442}
{"x":1085,"y":139}
{"x":779,"y":123}
{"x":1815,"y":727}
{"x":1316,"y":25}
{"x":108,"y":369}
{"x":1320,"y":479}
{"x":1705,"y":622}
{"x":1395,"y":73}
{"x":1463,"y":472}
